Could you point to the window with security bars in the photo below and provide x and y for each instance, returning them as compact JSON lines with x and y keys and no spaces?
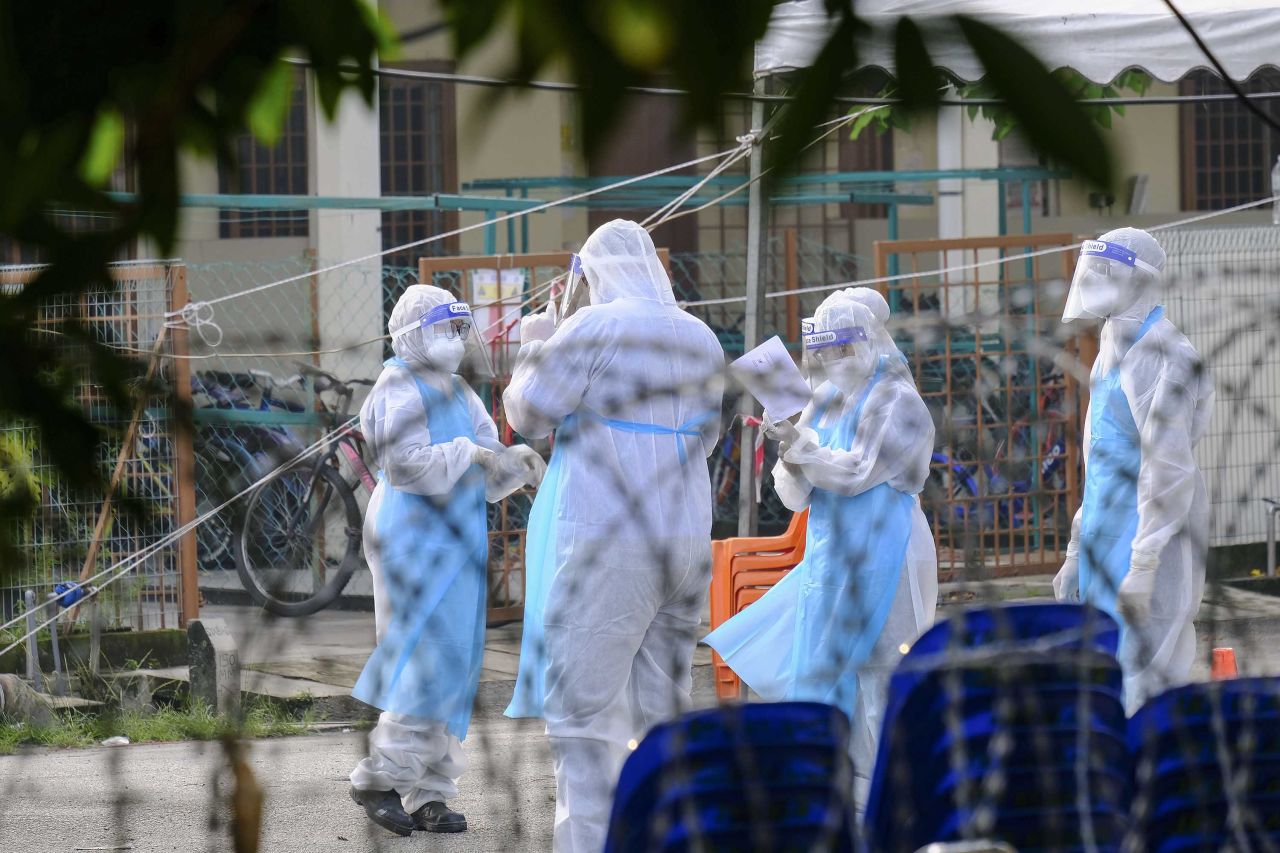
{"x":281,"y":169}
{"x":419,"y":157}
{"x":1227,"y":153}
{"x":78,"y":221}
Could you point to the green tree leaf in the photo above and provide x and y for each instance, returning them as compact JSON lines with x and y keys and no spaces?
{"x":1047,"y":114}
{"x":917,"y":85}
{"x":816,"y":91}
{"x":270,"y":104}
{"x":106,"y":145}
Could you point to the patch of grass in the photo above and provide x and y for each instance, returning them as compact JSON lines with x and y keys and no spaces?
{"x":187,"y":721}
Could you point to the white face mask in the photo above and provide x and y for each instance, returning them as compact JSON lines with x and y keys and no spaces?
{"x":851,"y":372}
{"x":444,"y":355}
{"x":1098,"y":295}
{"x":1107,"y":279}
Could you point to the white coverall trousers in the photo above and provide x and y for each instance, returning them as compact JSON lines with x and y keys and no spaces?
{"x":620,"y":642}
{"x":414,"y":757}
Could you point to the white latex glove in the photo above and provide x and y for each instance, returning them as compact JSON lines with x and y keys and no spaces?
{"x":539,"y":327}
{"x":1138,"y":586}
{"x":485,"y":458}
{"x":799,"y":451}
{"x":1066,"y":583}
{"x":524,"y":463}
{"x":782,"y":431}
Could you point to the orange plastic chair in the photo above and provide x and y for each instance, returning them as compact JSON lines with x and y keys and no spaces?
{"x":742,"y":571}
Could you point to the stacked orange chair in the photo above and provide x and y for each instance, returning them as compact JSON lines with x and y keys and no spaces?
{"x":742,"y":571}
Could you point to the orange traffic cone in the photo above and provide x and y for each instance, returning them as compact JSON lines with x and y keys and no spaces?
{"x":1224,"y":664}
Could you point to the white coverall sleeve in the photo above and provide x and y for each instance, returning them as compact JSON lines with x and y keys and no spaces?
{"x":549,"y":379}
{"x":486,"y":430}
{"x":498,"y":484}
{"x":893,"y":434}
{"x":1073,"y":544}
{"x":409,"y":460}
{"x":1168,"y":475}
{"x":793,"y":488}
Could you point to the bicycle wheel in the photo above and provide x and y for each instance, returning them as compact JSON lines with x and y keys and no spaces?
{"x":299,"y":540}
{"x":222,"y":469}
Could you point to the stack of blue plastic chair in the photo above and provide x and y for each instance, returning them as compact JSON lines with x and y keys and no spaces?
{"x":764,"y":777}
{"x":1207,"y":764}
{"x":1005,"y":723}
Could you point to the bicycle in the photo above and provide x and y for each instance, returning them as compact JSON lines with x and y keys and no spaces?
{"x":1005,"y":487}
{"x":298,"y":539}
{"x":229,"y":457}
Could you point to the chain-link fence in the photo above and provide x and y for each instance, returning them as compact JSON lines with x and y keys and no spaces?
{"x":74,"y":534}
{"x":1009,"y":721}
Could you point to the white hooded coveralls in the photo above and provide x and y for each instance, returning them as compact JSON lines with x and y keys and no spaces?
{"x":416,"y":757}
{"x":633,"y":519}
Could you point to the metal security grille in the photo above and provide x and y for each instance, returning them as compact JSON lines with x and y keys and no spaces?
{"x":1221,"y":294}
{"x":1227,"y":153}
{"x":160,"y":591}
{"x":418,"y":141}
{"x":278,"y":170}
{"x":1004,"y":481}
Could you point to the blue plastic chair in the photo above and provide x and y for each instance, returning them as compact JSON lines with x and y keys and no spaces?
{"x":744,"y":777}
{"x":1059,"y":625}
{"x":1181,"y":740}
{"x":1015,"y":717}
{"x":1016,"y":626}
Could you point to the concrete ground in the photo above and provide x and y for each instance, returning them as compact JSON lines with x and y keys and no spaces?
{"x":172,"y":797}
{"x":54,"y":800}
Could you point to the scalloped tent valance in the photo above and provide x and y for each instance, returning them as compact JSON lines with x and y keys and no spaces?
{"x":1096,"y":39}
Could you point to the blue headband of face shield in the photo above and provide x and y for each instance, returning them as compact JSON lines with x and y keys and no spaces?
{"x":1115,"y":252}
{"x":835,"y":338}
{"x":456,"y":314}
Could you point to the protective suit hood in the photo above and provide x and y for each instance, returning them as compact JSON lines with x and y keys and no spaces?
{"x":845,"y":314}
{"x":620,"y":262}
{"x":415,"y":327}
{"x":1117,"y":277}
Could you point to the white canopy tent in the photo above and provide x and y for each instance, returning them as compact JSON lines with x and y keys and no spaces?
{"x":1098,"y":40}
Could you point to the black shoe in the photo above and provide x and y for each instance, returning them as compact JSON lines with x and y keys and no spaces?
{"x":384,"y":809}
{"x":437,"y":817}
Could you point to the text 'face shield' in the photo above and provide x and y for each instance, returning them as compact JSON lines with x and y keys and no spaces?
{"x":834,"y":344}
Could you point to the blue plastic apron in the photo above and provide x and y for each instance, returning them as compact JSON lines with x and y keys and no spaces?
{"x":540,"y":563}
{"x":839,"y":596}
{"x":1109,"y":520}
{"x":434,"y":555}
{"x":541,"y":557}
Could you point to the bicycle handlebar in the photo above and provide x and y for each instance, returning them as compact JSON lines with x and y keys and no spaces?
{"x":325,"y":381}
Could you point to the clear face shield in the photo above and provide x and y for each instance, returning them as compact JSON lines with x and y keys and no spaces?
{"x":449,"y":331}
{"x":575,"y":293}
{"x":1105,"y":274}
{"x":808,"y":366}
{"x":826,"y":348}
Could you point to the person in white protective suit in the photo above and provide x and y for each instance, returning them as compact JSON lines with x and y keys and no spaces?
{"x":620,"y":549}
{"x":426,"y":542}
{"x":1139,"y":541}
{"x":834,"y":627}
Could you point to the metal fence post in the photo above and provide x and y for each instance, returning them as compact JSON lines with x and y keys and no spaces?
{"x":1273,"y":509}
{"x":33,"y":649}
{"x":59,"y":677}
{"x":748,"y":510}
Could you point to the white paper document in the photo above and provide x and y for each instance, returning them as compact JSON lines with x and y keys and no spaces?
{"x":769,"y":374}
